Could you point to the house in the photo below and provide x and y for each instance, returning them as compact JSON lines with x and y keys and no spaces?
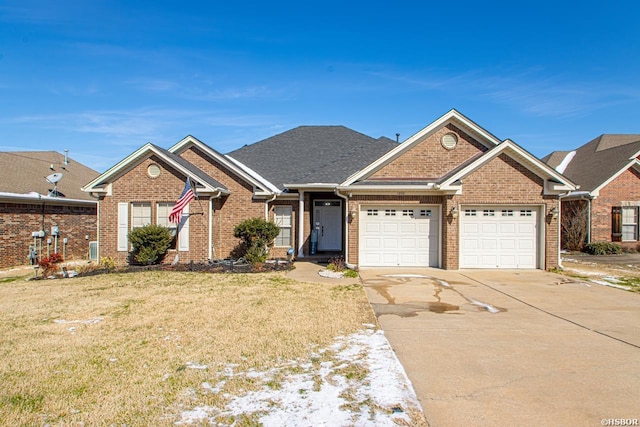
{"x":42,"y":207}
{"x":607,"y":171}
{"x":451,"y":196}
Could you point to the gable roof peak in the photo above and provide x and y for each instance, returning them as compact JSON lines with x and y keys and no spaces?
{"x":609,"y":140}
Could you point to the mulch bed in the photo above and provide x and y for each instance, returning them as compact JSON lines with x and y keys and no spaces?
{"x":221,"y":266}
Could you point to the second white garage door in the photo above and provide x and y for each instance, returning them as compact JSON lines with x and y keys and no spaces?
{"x":498,"y":237}
{"x":404,"y":236}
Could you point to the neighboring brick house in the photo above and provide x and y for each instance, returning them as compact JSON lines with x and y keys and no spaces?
{"x":607,"y":170}
{"x":33,"y":208}
{"x":451,"y":196}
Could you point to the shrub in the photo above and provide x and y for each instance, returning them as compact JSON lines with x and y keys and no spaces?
{"x":49,"y":264}
{"x":574,"y":223}
{"x":603,"y":248}
{"x":350,"y":273}
{"x":150,"y":244}
{"x":107,"y":262}
{"x":257,"y":237}
{"x":337,"y":264}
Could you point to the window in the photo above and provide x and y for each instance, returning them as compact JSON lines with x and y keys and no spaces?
{"x":389,"y":212}
{"x":372,"y":212}
{"x":469,"y":212}
{"x":507,"y":212}
{"x":629,"y":223}
{"x":163,"y":211}
{"x":526,"y":212}
{"x":140,"y":215}
{"x":282,"y":218}
{"x":488,"y":212}
{"x":407,"y":212}
{"x":425,"y":212}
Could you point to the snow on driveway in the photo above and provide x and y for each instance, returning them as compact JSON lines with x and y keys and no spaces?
{"x":326,"y":393}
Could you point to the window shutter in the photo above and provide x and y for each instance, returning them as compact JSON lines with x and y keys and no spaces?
{"x":123,"y":226}
{"x":616,"y":224}
{"x":183,"y":236}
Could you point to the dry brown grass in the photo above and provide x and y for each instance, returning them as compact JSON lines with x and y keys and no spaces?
{"x":128,"y":356}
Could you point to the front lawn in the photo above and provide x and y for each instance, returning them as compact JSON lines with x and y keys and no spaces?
{"x":155,"y":348}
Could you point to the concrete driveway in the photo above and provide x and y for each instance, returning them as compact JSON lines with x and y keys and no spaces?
{"x":496,"y":348}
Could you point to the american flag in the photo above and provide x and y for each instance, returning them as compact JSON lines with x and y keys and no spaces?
{"x":187,"y":196}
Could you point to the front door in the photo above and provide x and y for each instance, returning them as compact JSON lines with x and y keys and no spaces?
{"x":328,"y":224}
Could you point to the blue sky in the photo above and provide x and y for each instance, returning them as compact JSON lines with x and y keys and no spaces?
{"x":102,"y":78}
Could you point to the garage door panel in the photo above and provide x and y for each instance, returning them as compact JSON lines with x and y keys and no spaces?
{"x":408,"y":238}
{"x":526,"y":244}
{"x":507,"y":244}
{"x":508,"y":228}
{"x":388,"y":243}
{"x":372,"y":227}
{"x":506,"y":239}
{"x":489,"y":227}
{"x":408,"y":227}
{"x":372,"y":243}
{"x":390,"y":227}
{"x":489,"y":244}
{"x":409,"y":243}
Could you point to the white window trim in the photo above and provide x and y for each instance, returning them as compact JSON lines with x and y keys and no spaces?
{"x":634,"y":224}
{"x":288,"y":212}
{"x":123,"y":227}
{"x":183,"y":231}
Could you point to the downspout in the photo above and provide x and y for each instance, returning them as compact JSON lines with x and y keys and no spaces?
{"x":266,"y":207}
{"x":589,"y":220}
{"x":346,"y":228}
{"x":211,"y":223}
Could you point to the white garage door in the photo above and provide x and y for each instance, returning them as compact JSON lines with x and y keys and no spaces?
{"x":399,"y":236}
{"x":498,"y":237}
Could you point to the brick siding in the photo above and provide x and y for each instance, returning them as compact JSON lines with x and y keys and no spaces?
{"x":19,"y":220}
{"x":625,"y":187}
{"x":428,"y":159}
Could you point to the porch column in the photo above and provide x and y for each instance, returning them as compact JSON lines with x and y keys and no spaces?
{"x":300,"y":232}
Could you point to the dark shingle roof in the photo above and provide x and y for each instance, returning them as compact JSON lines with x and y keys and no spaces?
{"x":312,"y":154}
{"x":555,"y":158}
{"x":22,"y":172}
{"x":599,"y":159}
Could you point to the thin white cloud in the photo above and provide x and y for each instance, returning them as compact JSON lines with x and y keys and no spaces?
{"x":136,"y":124}
{"x":527,"y":90}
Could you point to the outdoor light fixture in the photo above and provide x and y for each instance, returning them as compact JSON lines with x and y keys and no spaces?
{"x":352,"y":214}
{"x":454,"y":212}
{"x":554,"y":213}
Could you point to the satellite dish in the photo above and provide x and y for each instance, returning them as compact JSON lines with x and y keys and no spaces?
{"x":54,"y":177}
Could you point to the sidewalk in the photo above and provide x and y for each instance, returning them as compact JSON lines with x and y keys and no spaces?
{"x":306,"y":271}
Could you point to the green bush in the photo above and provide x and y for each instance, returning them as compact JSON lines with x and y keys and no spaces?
{"x":257,"y":237}
{"x":603,"y":248}
{"x":150,"y":244}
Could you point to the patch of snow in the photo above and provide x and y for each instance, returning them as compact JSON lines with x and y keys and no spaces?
{"x":604,"y":283}
{"x":444,"y":283}
{"x":407,"y":275}
{"x":84,"y":322}
{"x":321,"y":395}
{"x":331,"y":274}
{"x":192,"y":365}
{"x":489,"y":307}
{"x":565,"y":162}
